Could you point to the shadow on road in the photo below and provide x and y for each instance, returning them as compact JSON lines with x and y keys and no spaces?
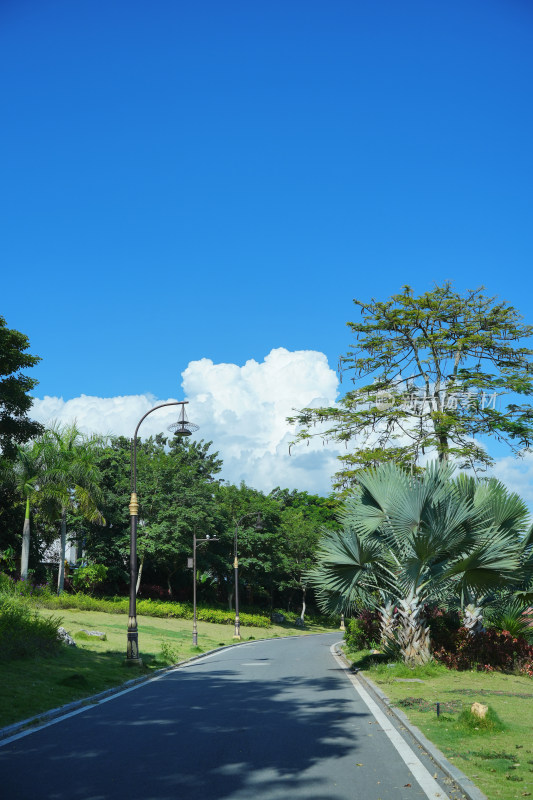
{"x":198,"y":733}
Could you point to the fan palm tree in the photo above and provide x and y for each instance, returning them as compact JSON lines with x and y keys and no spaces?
{"x":72,"y":479}
{"x":507,"y":513}
{"x":415,"y":539}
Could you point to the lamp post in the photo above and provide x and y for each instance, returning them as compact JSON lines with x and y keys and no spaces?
{"x":181,"y":428}
{"x":258,"y":526}
{"x":194,"y":543}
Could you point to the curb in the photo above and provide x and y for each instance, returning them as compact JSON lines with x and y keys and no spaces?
{"x":53,"y":713}
{"x":465,"y":784}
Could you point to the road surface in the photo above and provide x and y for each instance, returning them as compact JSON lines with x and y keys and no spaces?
{"x":268,"y":720}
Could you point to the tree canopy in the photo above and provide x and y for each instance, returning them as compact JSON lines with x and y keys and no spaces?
{"x":428,"y":372}
{"x":15,"y":402}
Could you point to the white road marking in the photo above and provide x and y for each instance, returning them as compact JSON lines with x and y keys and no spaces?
{"x":427,"y":783}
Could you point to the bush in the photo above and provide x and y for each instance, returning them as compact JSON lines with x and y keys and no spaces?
{"x":20,"y":588}
{"x":354,"y":635}
{"x":363,"y":631}
{"x":169,"y":653}
{"x":487,"y":651}
{"x":89,"y":578}
{"x":443,"y":627}
{"x":23,"y":632}
{"x":151,"y":608}
{"x":490,"y":723}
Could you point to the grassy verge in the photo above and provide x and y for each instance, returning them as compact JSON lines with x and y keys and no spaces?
{"x":33,"y":686}
{"x":497,"y":757}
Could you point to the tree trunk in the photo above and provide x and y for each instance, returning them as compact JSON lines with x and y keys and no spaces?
{"x":25,"y":556}
{"x":473,"y":619}
{"x":302,"y":615}
{"x":230,"y":599}
{"x":413,"y":633}
{"x":169,"y":586}
{"x":63,"y":549}
{"x":388,"y":624}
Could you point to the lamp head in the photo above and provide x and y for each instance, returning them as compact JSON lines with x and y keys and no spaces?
{"x":183,"y":427}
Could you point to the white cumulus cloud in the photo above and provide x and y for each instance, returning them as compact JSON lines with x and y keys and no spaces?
{"x":517,"y":474}
{"x":241,"y":409}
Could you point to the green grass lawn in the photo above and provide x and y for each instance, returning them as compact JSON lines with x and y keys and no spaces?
{"x":30,"y":687}
{"x":500,"y":763}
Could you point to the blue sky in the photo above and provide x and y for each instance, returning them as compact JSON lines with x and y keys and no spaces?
{"x":187,"y":181}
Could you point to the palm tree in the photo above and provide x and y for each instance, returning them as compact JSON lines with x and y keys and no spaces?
{"x":508,"y":514}
{"x":72,"y":479}
{"x":25,"y":473}
{"x":415,"y":539}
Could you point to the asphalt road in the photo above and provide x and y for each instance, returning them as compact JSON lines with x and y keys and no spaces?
{"x":266,"y":720}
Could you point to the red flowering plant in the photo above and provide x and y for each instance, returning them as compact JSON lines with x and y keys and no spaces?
{"x":486,"y":651}
{"x":363,"y":631}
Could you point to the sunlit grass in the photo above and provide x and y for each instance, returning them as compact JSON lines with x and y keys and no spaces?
{"x":497,"y":754}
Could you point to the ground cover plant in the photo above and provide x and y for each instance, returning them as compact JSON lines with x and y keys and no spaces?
{"x":33,"y":685}
{"x":497,"y":754}
{"x":257,"y":618}
{"x":23,"y":631}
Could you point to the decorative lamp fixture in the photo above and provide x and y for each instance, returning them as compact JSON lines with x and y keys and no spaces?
{"x":183,"y":427}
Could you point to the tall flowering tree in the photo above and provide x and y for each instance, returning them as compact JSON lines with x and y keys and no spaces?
{"x":428,"y":372}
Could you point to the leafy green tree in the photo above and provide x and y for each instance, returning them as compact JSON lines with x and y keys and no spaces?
{"x":177,"y":498}
{"x":109,"y":545}
{"x":176,"y":488}
{"x":72,"y":479}
{"x":427,"y":371}
{"x":303,"y":515}
{"x":15,"y":402}
{"x":413,"y":541}
{"x":300,"y":540}
{"x":318,"y":509}
{"x":260,"y":551}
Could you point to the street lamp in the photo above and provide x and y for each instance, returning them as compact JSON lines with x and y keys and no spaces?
{"x":181,"y":428}
{"x":258,"y":527}
{"x":194,"y":543}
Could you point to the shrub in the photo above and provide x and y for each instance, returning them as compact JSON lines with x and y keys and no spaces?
{"x":443,"y":627}
{"x":354,"y":635}
{"x":7,"y":584}
{"x":23,"y":632}
{"x":363,"y":631}
{"x":153,"y":591}
{"x":512,"y":617}
{"x":20,"y":588}
{"x":170,"y":653}
{"x":490,"y":723}
{"x":89,"y":578}
{"x":151,"y":608}
{"x":486,"y":651}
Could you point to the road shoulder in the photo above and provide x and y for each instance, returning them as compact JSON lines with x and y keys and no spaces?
{"x":468,"y":789}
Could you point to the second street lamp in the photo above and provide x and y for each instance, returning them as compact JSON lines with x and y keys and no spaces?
{"x":258,"y":527}
{"x":194,"y":543}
